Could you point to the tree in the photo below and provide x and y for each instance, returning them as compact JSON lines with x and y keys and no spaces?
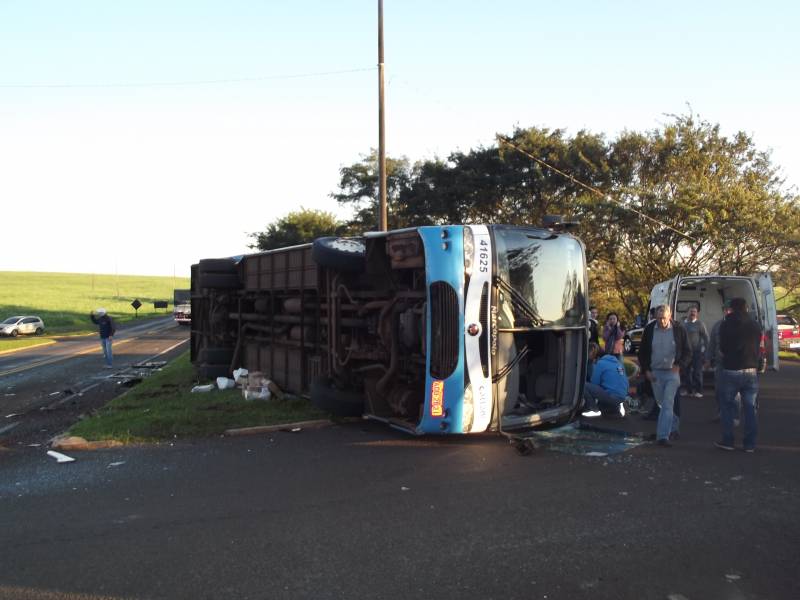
{"x":359,"y":188}
{"x":682,"y":198}
{"x":297,"y":227}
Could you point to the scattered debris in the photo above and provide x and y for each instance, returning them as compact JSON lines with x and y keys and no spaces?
{"x":116,"y":464}
{"x":733,"y":577}
{"x":224,"y":383}
{"x":203,"y":388}
{"x":9,"y":394}
{"x":275,"y":390}
{"x":9,"y":427}
{"x":240,"y":376}
{"x":12,"y":415}
{"x":257,"y":387}
{"x":596,"y":454}
{"x":404,"y":488}
{"x":153,"y":364}
{"x":737,"y":477}
{"x":79,"y":443}
{"x":62,"y":458}
{"x":291,"y":429}
{"x":623,"y":493}
{"x":54,"y":394}
{"x":33,"y":445}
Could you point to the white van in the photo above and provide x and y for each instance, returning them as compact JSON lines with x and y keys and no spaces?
{"x":710,"y":292}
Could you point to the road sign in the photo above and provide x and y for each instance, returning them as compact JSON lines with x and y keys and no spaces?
{"x":136,"y":306}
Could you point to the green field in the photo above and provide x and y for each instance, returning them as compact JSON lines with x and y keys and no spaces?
{"x":64,"y":300}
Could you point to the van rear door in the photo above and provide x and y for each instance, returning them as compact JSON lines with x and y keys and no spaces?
{"x":769,"y":317}
{"x":665,"y":292}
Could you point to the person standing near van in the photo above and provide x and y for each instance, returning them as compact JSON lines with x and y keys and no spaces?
{"x":663,"y":352}
{"x":594,"y":326}
{"x":698,"y":340}
{"x":739,"y":340}
{"x":107,"y":329}
{"x":613,"y":336}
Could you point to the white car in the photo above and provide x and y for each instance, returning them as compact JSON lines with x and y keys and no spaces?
{"x":13,"y":326}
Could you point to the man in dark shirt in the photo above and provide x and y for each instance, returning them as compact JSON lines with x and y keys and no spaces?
{"x":739,"y":339}
{"x":107,"y":329}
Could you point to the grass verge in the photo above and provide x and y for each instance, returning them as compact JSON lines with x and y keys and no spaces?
{"x":162,"y":407}
{"x":9,"y":343}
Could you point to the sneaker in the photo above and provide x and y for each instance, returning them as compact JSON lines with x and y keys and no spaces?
{"x":632,"y":403}
{"x":724,"y":446}
{"x":622,"y":410}
{"x":697,"y":395}
{"x":664,"y":443}
{"x":591,"y":413}
{"x":684,"y":393}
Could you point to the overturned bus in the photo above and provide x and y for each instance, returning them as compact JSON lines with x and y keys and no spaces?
{"x":432,"y":330}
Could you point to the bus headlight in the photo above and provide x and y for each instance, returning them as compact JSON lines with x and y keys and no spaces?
{"x":467,"y":410}
{"x":469,"y":250}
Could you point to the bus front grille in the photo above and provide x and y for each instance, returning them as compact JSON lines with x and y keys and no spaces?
{"x":445,"y":338}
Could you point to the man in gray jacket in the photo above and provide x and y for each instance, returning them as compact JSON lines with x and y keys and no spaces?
{"x":698,"y":340}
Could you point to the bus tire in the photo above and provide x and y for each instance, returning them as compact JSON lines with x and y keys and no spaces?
{"x":339,"y":403}
{"x":220,"y":281}
{"x":341,"y":254}
{"x":206,"y":371}
{"x":216,"y":356}
{"x":217,"y":265}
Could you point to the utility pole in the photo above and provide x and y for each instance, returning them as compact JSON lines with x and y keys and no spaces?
{"x":383,"y":218}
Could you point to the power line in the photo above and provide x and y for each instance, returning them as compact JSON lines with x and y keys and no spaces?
{"x":594,"y":190}
{"x":180,"y":83}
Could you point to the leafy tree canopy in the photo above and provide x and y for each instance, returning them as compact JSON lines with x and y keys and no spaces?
{"x":682,"y":198}
{"x":297,"y":227}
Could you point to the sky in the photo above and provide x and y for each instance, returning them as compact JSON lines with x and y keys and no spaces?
{"x":139,"y":137}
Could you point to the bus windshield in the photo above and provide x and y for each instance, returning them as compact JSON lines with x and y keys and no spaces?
{"x":546,"y":271}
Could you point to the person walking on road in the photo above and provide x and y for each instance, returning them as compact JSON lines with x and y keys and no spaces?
{"x":613,"y":336}
{"x":698,"y":340}
{"x":662,"y":353}
{"x":107,"y":329}
{"x":739,"y":339}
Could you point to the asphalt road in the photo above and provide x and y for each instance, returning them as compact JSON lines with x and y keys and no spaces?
{"x":359,"y":511}
{"x":44,"y":389}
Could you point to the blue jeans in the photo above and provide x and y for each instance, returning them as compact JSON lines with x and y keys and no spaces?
{"x":105,"y":343}
{"x":695,"y":372}
{"x":745,"y":383}
{"x":665,"y":385}
{"x":596,"y":397}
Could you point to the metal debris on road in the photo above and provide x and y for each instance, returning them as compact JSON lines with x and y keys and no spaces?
{"x":12,"y":415}
{"x":116,"y":464}
{"x":62,"y":458}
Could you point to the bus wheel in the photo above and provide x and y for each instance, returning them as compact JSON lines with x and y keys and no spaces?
{"x":343,"y":254}
{"x":340,"y":403}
